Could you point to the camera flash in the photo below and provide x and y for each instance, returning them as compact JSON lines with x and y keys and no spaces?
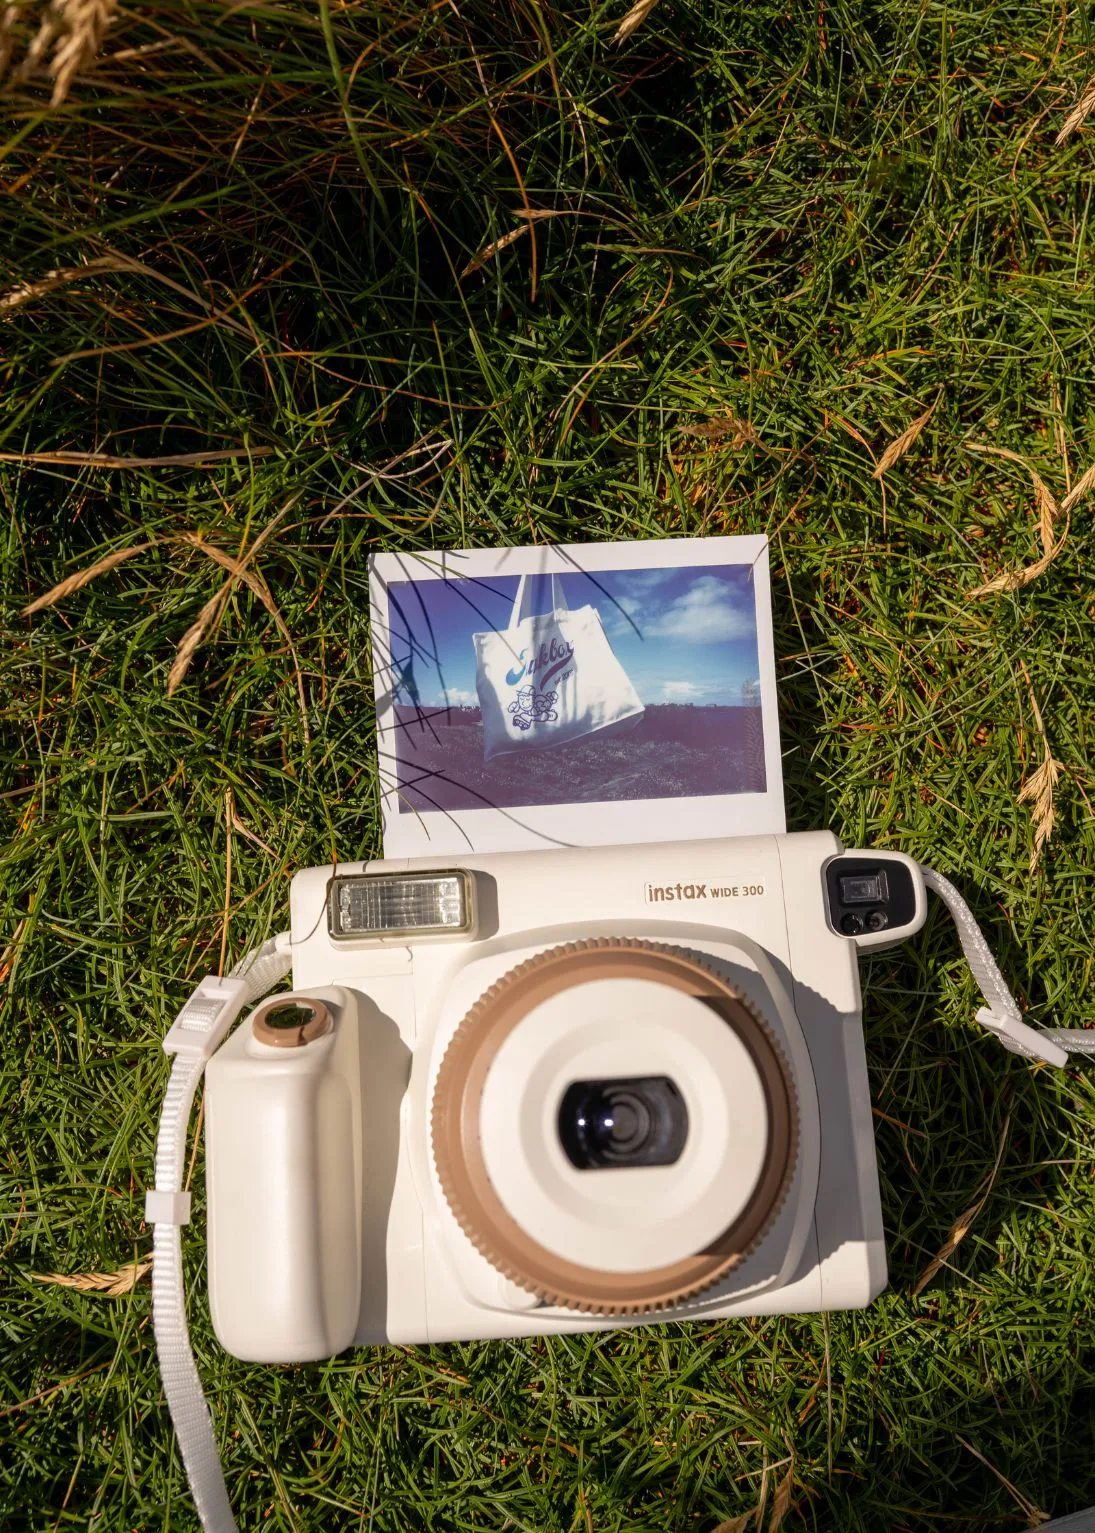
{"x":401,"y":905}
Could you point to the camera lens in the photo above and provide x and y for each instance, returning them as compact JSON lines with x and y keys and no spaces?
{"x":633,"y":1121}
{"x":851,"y":924}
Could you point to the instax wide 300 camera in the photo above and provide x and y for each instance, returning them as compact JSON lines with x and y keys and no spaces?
{"x":556,"y":1091}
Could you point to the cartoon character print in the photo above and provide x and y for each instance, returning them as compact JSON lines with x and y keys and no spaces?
{"x":529,"y":708}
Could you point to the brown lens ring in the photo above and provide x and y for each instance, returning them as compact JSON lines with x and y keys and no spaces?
{"x":462,"y":1169}
{"x":314,"y":1025}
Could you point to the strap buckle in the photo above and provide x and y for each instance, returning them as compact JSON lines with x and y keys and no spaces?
{"x":200,"y":1026}
{"x":1019,"y":1038}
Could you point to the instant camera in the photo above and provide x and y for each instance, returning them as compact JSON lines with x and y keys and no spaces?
{"x":557,"y":1091}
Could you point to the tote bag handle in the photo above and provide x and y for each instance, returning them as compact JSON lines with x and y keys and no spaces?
{"x":558,"y":600}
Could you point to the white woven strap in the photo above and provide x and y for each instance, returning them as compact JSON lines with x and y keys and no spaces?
{"x":196,"y":1032}
{"x":1000,"y":1014}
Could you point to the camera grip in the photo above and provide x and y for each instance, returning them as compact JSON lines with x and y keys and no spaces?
{"x":283,"y":1176}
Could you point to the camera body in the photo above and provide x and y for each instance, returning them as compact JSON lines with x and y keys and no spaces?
{"x":555,"y":1091}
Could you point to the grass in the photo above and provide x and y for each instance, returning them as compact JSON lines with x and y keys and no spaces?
{"x":814,"y":220}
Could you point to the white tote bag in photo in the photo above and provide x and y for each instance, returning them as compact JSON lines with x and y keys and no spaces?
{"x":550,"y":678}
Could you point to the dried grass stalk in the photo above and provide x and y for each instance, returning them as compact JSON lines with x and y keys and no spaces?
{"x":634,"y":19}
{"x":740,"y":432}
{"x":1039,"y":790}
{"x":1048,"y":512}
{"x":1060,"y":440}
{"x":901,"y":444}
{"x":1043,"y":496}
{"x":73,"y":29}
{"x":781,"y":1504}
{"x":112,"y":1284}
{"x":212,"y":609}
{"x":528,"y":217}
{"x":43,"y":38}
{"x":243,"y":829}
{"x":1041,"y":786}
{"x":481,"y":257}
{"x":82,"y":577}
{"x":1079,"y":114}
{"x":59,"y":276}
{"x":1014,"y":580}
{"x":238,"y":572}
{"x":193,"y":637}
{"x":1034,"y":1514}
{"x":961,"y":1226}
{"x":256,"y":583}
{"x":84,"y":24}
{"x":8,"y":18}
{"x":1081,"y":488}
{"x":856,"y":436}
{"x":109,"y":460}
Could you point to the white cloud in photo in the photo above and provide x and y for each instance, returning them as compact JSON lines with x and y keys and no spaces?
{"x":681,"y":691}
{"x":704,"y":614}
{"x":639,"y":583}
{"x":455,"y":697}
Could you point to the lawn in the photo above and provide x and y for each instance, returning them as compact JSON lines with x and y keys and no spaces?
{"x":673,"y":750}
{"x":284,"y":284}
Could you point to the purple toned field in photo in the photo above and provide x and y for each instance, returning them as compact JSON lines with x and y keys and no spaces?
{"x":674,"y":751}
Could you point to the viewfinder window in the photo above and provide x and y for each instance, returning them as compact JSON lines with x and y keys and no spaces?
{"x":864,"y":889}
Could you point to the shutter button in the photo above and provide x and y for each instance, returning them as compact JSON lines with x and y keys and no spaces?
{"x":288,"y":1023}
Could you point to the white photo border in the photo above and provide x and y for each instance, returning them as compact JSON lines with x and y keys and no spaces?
{"x":457,"y":832}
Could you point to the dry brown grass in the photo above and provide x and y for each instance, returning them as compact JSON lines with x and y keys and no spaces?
{"x":781,"y":1505}
{"x":901,"y":444}
{"x":634,"y":19}
{"x":68,"y":40}
{"x":111,"y":1284}
{"x":1040,"y":788}
{"x":26,"y":292}
{"x":962,"y":1225}
{"x":1034,"y":1514}
{"x":1079,"y":113}
{"x":738,"y":433}
{"x":83,"y":577}
{"x":1048,"y":511}
{"x":238,"y":573}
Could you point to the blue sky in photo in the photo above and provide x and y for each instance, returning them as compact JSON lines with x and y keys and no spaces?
{"x":683,"y":635}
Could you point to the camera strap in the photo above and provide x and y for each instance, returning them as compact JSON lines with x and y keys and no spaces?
{"x":1000,"y":1014}
{"x":196,"y":1033}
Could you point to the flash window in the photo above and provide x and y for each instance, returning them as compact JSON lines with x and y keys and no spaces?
{"x":361,"y":906}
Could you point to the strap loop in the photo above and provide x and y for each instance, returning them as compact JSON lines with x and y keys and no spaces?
{"x":166,"y":1207}
{"x":213,"y":1006}
{"x":1001,"y":1015}
{"x":195,"y":1034}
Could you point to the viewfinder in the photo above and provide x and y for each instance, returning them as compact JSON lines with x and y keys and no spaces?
{"x":865,"y":889}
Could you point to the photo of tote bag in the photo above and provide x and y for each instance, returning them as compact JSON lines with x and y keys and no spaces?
{"x":550,"y":678}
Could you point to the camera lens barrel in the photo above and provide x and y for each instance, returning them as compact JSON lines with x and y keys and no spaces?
{"x":604,"y":1191}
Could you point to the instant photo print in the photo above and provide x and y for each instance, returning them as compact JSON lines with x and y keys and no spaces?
{"x":530,"y":698}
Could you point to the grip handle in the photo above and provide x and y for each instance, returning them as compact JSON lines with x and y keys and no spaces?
{"x":283,"y":1176}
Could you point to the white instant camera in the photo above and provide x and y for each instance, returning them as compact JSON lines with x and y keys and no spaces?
{"x":557,"y":1091}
